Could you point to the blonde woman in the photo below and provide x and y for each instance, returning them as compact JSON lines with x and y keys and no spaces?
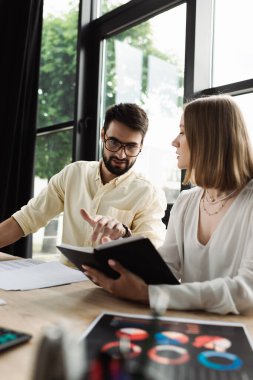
{"x":209,"y":239}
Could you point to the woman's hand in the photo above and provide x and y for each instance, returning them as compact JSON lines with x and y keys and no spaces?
{"x":104,"y":227}
{"x":128,"y":285}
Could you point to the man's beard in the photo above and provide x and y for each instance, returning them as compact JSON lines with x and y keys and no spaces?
{"x":114,"y":169}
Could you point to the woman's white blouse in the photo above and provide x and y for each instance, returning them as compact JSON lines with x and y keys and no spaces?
{"x":218,"y":276}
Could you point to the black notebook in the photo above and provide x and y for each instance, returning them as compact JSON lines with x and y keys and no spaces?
{"x":137,"y":254}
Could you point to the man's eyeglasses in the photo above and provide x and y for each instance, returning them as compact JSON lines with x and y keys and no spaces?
{"x":114,"y":145}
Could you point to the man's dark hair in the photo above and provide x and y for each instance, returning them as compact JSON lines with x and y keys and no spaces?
{"x":127,"y":113}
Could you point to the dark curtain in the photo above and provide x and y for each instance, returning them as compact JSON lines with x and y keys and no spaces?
{"x":20,"y":37}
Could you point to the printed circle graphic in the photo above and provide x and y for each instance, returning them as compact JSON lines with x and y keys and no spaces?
{"x":155,"y":355}
{"x":235,"y":362}
{"x":132,"y":333}
{"x":171,"y":337}
{"x":214,"y":343}
{"x":114,"y":348}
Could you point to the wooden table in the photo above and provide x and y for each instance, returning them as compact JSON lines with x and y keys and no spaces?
{"x":76,"y":304}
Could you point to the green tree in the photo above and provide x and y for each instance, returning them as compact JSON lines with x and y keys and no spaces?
{"x":53,"y":152}
{"x":58,"y":68}
{"x":56,"y":90}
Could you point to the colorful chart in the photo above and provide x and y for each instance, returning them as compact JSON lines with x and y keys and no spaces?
{"x":175,"y":349}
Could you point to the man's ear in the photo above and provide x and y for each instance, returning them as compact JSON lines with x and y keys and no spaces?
{"x":102,"y":134}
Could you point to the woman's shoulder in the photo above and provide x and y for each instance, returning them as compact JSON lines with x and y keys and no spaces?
{"x":187,"y":197}
{"x":189,"y":194}
{"x":249,"y":186}
{"x":246,"y":194}
{"x":245,"y":198}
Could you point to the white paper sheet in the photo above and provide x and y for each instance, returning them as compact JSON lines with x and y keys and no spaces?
{"x":17,"y":264}
{"x":43,"y":275}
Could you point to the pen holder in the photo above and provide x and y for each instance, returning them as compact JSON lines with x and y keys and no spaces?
{"x":60,"y":356}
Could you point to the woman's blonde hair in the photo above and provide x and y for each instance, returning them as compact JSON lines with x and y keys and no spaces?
{"x":221,"y":155}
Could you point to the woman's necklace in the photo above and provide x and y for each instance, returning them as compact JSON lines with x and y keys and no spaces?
{"x":212,"y":202}
{"x":222,"y":204}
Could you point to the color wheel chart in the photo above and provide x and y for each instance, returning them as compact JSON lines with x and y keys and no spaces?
{"x":174,"y":348}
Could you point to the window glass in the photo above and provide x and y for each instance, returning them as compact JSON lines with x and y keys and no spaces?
{"x":232,"y":51}
{"x":58,"y":62}
{"x":145,"y":65}
{"x":53,"y":152}
{"x":109,"y":5}
{"x":245,"y":103}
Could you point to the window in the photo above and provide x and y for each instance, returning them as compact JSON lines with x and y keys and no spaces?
{"x":55,"y":107}
{"x":232,"y":41}
{"x":142,"y":65}
{"x":58,"y":63}
{"x":223,"y":54}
